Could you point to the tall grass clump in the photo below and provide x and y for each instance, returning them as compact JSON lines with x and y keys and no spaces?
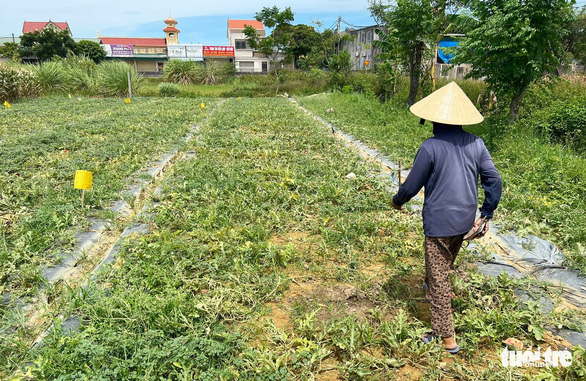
{"x":51,"y":76}
{"x":17,"y":82}
{"x":80,"y":73}
{"x":190,"y":72}
{"x":111,"y":78}
{"x":178,"y":71}
{"x":213,"y":73}
{"x":80,"y":80}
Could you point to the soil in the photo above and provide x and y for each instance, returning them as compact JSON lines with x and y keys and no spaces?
{"x":280,"y":316}
{"x":408,"y":372}
{"x":329,"y":371}
{"x":298,"y":239}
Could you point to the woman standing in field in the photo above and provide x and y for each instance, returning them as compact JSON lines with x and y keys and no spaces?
{"x":448,"y":165}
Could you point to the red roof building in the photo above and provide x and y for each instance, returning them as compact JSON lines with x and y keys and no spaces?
{"x":136,"y":41}
{"x":245,"y":58}
{"x":241,"y":24}
{"x":33,"y":26}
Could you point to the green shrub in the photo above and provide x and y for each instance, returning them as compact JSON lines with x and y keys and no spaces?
{"x":337,"y":81}
{"x":79,"y":79}
{"x":80,"y":73}
{"x":302,"y":82}
{"x":212,"y":72}
{"x":169,"y":89}
{"x":16,"y":83}
{"x":112,"y":78}
{"x":178,"y":71}
{"x":51,"y":76}
{"x":362,"y":82}
{"x":566,"y":124}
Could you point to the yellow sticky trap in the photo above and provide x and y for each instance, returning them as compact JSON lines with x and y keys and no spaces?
{"x":83,"y":180}
{"x":127,"y":101}
{"x":239,"y":98}
{"x":69,"y":96}
{"x":203,"y":105}
{"x":8,"y":104}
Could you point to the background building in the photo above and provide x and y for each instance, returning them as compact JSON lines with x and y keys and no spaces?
{"x":361,"y":48}
{"x":443,"y":59}
{"x":171,"y":31}
{"x":33,"y":26}
{"x":246,"y":59}
{"x":147,"y":55}
{"x":185,"y":52}
{"x":223,"y":54}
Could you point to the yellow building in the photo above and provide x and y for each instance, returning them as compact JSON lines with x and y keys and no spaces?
{"x":171,"y":31}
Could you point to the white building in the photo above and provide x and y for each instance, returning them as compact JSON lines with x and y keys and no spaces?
{"x":246,"y":59}
{"x":185,"y":52}
{"x":362,"y":51}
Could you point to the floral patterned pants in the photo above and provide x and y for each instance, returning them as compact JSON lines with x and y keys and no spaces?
{"x":440,"y":254}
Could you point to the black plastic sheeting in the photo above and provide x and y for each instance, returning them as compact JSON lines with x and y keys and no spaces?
{"x":526,"y":256}
{"x":543,"y":260}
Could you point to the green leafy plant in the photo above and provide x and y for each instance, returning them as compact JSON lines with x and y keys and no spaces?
{"x":169,"y":89}
{"x":51,"y":76}
{"x":112,"y":78}
{"x":179,"y":71}
{"x":17,"y":83}
{"x":514,"y":43}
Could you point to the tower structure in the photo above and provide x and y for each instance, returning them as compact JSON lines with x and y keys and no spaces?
{"x":171,"y":31}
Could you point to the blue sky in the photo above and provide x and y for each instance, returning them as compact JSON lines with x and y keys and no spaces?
{"x":199,"y":22}
{"x":211,"y":30}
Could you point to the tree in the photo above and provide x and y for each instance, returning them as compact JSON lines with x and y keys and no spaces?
{"x":415,"y":27}
{"x":575,"y":41}
{"x":411,"y":31}
{"x":278,"y":43}
{"x":514,"y":43}
{"x":390,"y":58}
{"x":91,"y":50}
{"x":10,"y":50}
{"x":324,"y":50}
{"x":341,"y":63}
{"x":46,"y":44}
{"x":303,"y":40}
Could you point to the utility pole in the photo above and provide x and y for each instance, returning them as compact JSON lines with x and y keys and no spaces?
{"x":338,"y":34}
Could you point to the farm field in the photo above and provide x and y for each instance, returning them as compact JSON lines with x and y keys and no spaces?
{"x":543,"y":184}
{"x":43,"y":143}
{"x":263,"y":261}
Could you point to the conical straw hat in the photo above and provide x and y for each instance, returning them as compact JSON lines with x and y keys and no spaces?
{"x":448,"y":105}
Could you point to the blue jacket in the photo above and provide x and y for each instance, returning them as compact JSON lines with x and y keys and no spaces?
{"x":448,"y":165}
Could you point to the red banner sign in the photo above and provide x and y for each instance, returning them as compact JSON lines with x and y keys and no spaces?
{"x":218,"y":51}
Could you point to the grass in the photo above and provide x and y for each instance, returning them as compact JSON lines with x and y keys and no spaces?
{"x":299,"y":83}
{"x":151,"y":89}
{"x":266,"y":263}
{"x":543,"y":182}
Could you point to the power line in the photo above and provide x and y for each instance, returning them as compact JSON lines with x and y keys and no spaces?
{"x":354,"y":26}
{"x":333,"y":25}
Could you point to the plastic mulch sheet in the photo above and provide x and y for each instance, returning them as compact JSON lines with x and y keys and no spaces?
{"x":517,"y":257}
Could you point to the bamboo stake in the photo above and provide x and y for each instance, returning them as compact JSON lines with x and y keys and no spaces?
{"x":129,"y":86}
{"x":399,"y":172}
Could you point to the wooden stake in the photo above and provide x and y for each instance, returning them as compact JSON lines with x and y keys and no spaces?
{"x":399,"y":172}
{"x":129,"y":86}
{"x":82,"y":196}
